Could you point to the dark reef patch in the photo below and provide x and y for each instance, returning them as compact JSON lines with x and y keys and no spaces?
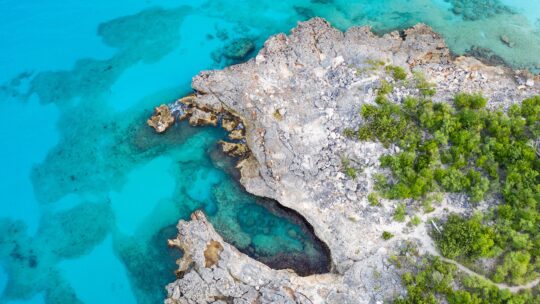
{"x":478,"y":9}
{"x":151,"y":266}
{"x":485,"y":55}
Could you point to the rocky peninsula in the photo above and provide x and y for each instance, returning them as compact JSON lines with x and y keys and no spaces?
{"x":287,"y":110}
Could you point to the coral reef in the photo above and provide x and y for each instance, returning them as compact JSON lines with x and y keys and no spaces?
{"x":478,"y":9}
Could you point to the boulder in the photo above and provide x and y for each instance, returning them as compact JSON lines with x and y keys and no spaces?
{"x":228,"y":124}
{"x":162,"y":119}
{"x":201,"y":118}
{"x":239,"y":48}
{"x":236,"y":135}
{"x":234,"y":149}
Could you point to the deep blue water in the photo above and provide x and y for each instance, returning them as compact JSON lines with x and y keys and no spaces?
{"x":89,"y":194}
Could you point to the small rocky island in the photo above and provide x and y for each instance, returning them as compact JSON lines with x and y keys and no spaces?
{"x":293,"y":114}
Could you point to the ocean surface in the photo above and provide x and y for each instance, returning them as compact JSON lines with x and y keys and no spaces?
{"x":89,"y":194}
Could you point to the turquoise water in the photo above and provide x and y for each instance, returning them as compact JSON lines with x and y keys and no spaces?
{"x":89,"y":194}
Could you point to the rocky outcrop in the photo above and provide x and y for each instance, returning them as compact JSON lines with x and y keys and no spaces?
{"x":200,"y":118}
{"x":216,"y":272}
{"x":162,"y":119}
{"x":295,"y":98}
{"x":234,"y":149}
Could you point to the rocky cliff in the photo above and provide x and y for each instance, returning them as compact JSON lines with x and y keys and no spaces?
{"x":295,"y":99}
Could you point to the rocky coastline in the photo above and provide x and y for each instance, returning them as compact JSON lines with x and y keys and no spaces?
{"x":286,"y":111}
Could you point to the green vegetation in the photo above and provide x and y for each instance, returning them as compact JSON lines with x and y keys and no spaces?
{"x":400,"y":212}
{"x":371,"y":65}
{"x":516,"y":268}
{"x":398,"y":73}
{"x":465,"y":238}
{"x":436,"y":282}
{"x":373,"y":199}
{"x":386,"y":88}
{"x":415,"y":221}
{"x":375,"y":63}
{"x":349,"y":133}
{"x":347,"y":168}
{"x":426,"y":88}
{"x":466,"y":148}
{"x":277,"y":115}
{"x":387,"y":235}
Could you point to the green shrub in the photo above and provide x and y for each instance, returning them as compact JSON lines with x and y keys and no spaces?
{"x":398,"y":73}
{"x":387,"y":235}
{"x":347,"y":168}
{"x":415,"y":221}
{"x":425,"y":87}
{"x":434,"y":277}
{"x":400,"y":213}
{"x":373,"y":199}
{"x":386,"y":88}
{"x":468,"y":101}
{"x":349,"y":133}
{"x":516,"y":266}
{"x":465,"y":238}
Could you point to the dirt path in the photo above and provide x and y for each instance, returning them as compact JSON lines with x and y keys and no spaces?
{"x":428,"y":245}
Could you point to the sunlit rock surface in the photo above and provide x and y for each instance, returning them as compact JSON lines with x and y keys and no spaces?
{"x":162,"y":119}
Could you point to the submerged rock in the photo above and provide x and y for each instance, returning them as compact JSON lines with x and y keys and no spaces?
{"x":238,"y":49}
{"x":236,"y":135}
{"x":234,"y":149}
{"x":479,"y":9}
{"x":201,"y":118}
{"x":507,"y":41}
{"x":162,"y":119}
{"x":228,"y":124}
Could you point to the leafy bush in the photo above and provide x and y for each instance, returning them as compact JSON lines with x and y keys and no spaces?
{"x":425,"y":87}
{"x":434,"y":277}
{"x":400,"y":213}
{"x":373,"y":199}
{"x":415,"y":221}
{"x":398,"y":73}
{"x":385,"y":88}
{"x":349,"y":133}
{"x":516,"y":266}
{"x":468,"y":101}
{"x":347,"y":168}
{"x":387,"y":235}
{"x":465,"y":238}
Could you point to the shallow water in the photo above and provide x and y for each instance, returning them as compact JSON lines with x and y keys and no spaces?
{"x":89,"y":194}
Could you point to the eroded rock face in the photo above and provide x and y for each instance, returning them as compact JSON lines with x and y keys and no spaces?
{"x":201,"y":118}
{"x":162,"y":119}
{"x":219,"y":272}
{"x":296,"y":98}
{"x":234,"y":149}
